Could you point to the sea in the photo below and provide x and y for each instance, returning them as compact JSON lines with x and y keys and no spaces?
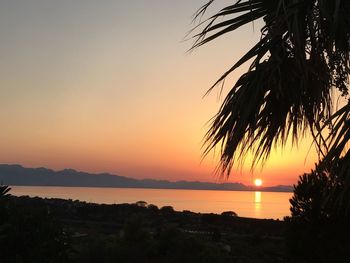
{"x":253,"y":204}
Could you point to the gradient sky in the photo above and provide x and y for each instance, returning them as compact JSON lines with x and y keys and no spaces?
{"x":107,"y":86}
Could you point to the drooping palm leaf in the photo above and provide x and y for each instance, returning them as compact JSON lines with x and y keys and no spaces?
{"x":302,"y":54}
{"x":4,"y":191}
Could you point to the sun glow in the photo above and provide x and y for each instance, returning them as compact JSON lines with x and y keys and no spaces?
{"x":258,"y":182}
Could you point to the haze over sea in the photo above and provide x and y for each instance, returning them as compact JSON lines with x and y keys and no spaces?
{"x":245,"y":203}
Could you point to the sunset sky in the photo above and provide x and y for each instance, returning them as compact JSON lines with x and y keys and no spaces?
{"x":108,"y":86}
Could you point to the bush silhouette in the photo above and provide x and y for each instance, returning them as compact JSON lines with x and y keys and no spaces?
{"x":316,"y":230}
{"x":31,"y":235}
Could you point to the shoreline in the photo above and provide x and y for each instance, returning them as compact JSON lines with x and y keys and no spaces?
{"x":154,"y":188}
{"x":264,"y":205}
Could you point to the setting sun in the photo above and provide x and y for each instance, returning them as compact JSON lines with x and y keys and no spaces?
{"x":258,"y":182}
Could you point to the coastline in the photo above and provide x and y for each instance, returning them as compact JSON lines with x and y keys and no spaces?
{"x":252,"y":189}
{"x":244,"y":203}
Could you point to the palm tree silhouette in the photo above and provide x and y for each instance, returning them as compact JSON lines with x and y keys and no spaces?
{"x":300,"y":62}
{"x":298,"y":71}
{"x":301,"y":58}
{"x":4,"y":191}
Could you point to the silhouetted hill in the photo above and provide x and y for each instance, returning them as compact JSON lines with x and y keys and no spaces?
{"x":19,"y":175}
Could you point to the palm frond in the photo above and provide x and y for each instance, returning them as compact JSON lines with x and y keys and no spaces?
{"x":4,"y":191}
{"x":302,"y":54}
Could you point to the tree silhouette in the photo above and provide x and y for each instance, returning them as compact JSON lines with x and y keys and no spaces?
{"x":300,"y":59}
{"x":4,"y":191}
{"x":299,"y":70}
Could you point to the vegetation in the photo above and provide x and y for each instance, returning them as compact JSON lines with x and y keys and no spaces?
{"x":301,"y":58}
{"x":56,"y":230}
{"x":30,"y":234}
{"x":4,"y":191}
{"x":319,"y":225}
{"x":229,"y":213}
{"x":299,"y":71}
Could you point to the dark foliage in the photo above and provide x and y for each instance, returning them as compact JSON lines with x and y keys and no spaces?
{"x":301,"y":58}
{"x":319,"y":227}
{"x":229,"y":213}
{"x":132,"y":233}
{"x":30,"y":235}
{"x":4,"y":191}
{"x":299,"y":70}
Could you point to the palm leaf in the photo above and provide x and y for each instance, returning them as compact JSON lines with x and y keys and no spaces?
{"x":4,"y":191}
{"x":302,"y":54}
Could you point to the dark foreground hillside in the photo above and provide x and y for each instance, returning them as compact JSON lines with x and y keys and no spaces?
{"x":56,"y":230}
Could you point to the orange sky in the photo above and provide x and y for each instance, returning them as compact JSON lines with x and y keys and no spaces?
{"x":107,"y":86}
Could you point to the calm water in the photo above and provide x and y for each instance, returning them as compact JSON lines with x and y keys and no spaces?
{"x":246,"y":204}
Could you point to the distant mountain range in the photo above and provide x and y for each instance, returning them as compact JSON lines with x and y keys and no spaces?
{"x":13,"y":174}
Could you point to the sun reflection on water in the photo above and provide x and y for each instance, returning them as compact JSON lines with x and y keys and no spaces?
{"x":257,"y":203}
{"x":257,"y":199}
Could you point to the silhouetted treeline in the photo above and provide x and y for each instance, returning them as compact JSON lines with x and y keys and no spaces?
{"x":56,"y":230}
